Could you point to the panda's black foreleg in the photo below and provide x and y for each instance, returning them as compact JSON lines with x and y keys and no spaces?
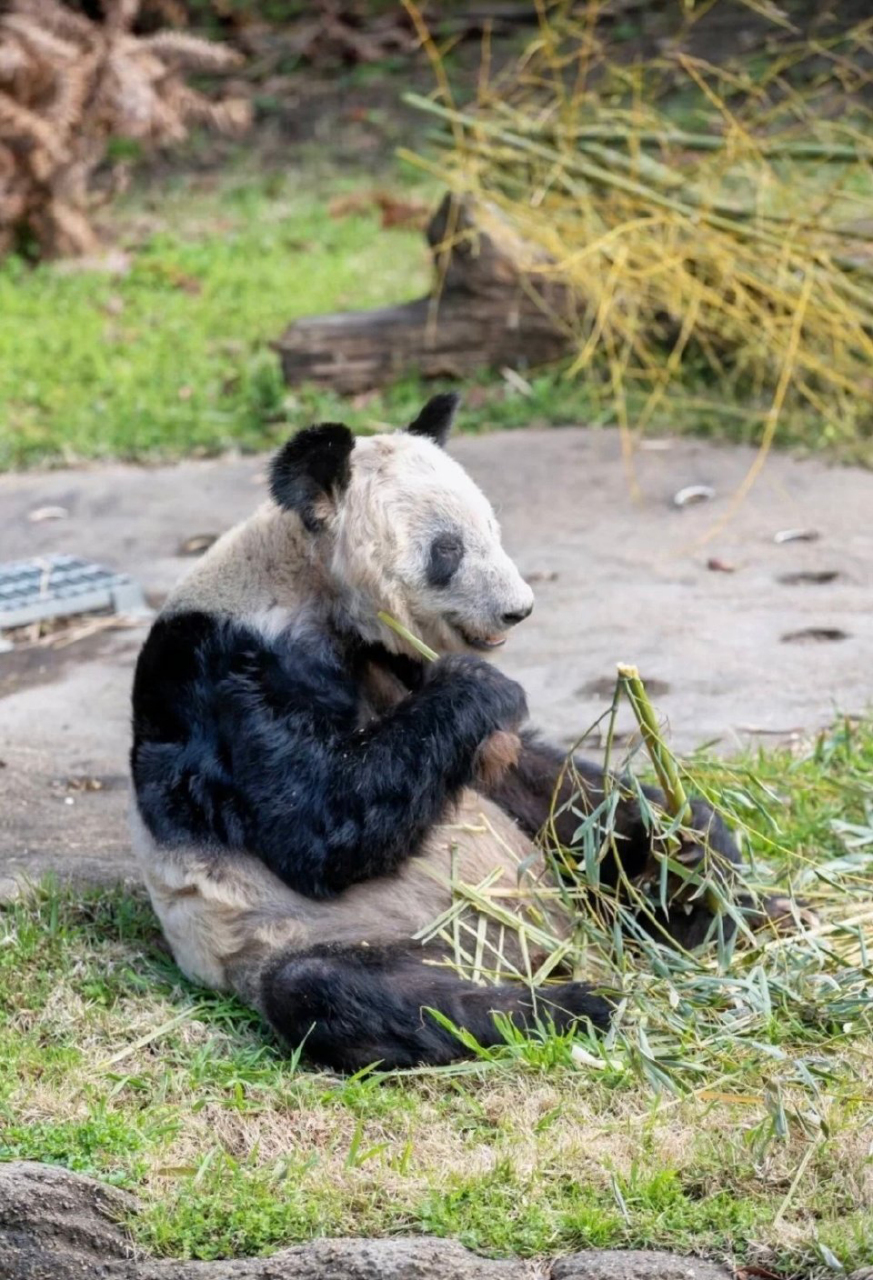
{"x":541,"y":789}
{"x":352,"y":1006}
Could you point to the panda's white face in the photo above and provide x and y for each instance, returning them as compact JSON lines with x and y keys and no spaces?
{"x":414,"y":536}
{"x":396,"y":525}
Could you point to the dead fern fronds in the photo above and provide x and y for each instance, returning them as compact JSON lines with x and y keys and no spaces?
{"x":68,"y":85}
{"x":49,"y":15}
{"x":178,"y":48}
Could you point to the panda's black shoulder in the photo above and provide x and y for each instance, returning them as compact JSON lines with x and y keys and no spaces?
{"x":180,"y":652}
{"x":194,"y":665}
{"x":172,"y":649}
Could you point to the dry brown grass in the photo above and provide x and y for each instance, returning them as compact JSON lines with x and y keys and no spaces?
{"x":568,"y":1126}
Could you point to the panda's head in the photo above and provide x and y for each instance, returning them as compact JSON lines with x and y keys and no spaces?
{"x":401,"y":527}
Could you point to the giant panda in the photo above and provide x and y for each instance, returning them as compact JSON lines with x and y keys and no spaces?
{"x":303,"y":779}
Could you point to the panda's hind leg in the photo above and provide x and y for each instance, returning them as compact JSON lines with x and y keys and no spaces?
{"x":352,"y":1006}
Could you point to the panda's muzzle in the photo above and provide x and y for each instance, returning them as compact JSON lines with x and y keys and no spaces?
{"x":517,"y":604}
{"x":490,"y":640}
{"x":496,"y":638}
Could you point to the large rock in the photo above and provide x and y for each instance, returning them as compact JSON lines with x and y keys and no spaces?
{"x":56,"y":1225}
{"x":636,"y":1264}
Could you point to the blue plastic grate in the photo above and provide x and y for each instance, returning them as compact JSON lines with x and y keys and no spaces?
{"x":59,"y":586}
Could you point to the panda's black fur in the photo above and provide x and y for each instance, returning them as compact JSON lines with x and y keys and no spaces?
{"x":254,"y":746}
{"x":285,"y":804}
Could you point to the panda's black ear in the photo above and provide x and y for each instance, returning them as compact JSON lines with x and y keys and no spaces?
{"x":436,"y":418}
{"x":310,"y":472}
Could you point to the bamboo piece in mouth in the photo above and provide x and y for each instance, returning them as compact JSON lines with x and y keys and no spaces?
{"x":425,"y":650}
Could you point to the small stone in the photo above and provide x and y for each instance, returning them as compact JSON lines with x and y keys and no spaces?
{"x":10,"y":889}
{"x":692,"y":494}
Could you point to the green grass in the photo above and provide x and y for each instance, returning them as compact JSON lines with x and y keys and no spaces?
{"x":113,"y":1065}
{"x":173,"y":357}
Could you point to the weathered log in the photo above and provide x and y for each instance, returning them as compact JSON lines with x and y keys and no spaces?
{"x":493,"y":304}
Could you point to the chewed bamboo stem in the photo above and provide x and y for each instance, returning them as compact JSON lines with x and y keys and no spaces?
{"x":662,"y":759}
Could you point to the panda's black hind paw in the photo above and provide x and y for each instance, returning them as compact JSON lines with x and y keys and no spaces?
{"x":572,"y":1003}
{"x":353,"y":1006}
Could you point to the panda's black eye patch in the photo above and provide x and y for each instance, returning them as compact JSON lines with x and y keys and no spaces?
{"x":446,"y":553}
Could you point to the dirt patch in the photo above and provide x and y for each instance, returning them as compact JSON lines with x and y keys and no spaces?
{"x":815,"y":635}
{"x":29,"y":666}
{"x":809,"y":578}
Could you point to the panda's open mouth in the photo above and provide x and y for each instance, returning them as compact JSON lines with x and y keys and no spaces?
{"x":481,"y":642}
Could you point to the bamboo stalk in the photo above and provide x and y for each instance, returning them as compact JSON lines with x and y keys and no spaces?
{"x":771,"y":149}
{"x":662,"y":758}
{"x":677,"y":805}
{"x":756,"y":224}
{"x":425,"y":650}
{"x":593,"y":172}
{"x":614,"y":133}
{"x":830,"y":152}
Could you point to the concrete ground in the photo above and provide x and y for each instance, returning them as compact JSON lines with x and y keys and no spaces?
{"x":769,"y":650}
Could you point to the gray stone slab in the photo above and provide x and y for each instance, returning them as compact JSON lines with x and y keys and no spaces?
{"x":636,"y":1264}
{"x":617,"y":578}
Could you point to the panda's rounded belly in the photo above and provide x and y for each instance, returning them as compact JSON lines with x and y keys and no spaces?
{"x":223,"y":918}
{"x":475,"y":841}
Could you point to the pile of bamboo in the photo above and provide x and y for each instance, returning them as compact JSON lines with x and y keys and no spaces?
{"x":723,"y":265}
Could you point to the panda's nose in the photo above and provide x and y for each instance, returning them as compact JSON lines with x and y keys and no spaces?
{"x":511,"y":619}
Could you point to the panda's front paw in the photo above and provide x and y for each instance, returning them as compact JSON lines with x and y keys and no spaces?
{"x":500,"y":701}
